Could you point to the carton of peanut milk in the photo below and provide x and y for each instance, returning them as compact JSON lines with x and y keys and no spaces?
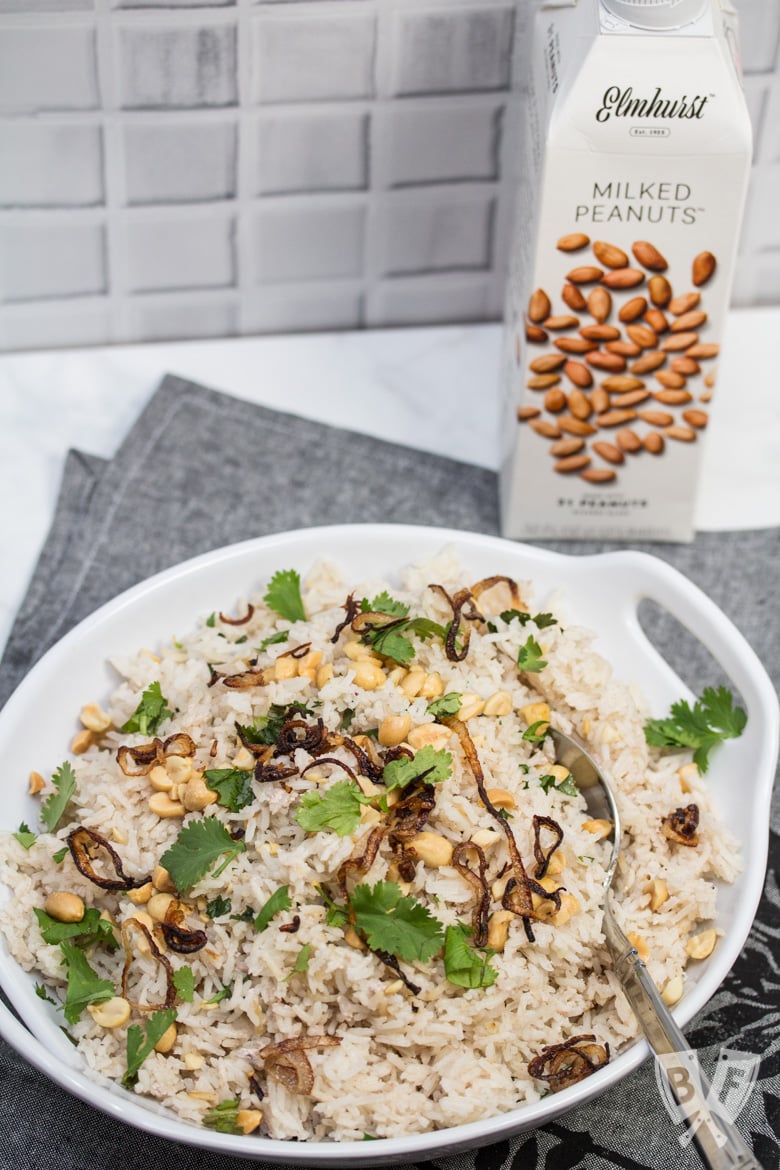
{"x":638,"y":154}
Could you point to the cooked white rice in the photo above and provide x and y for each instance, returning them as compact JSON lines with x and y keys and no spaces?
{"x":406,"y":1063}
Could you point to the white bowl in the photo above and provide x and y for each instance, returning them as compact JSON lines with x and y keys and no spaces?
{"x":601,"y":592}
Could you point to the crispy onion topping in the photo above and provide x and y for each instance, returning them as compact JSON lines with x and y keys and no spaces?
{"x":297,"y":733}
{"x":565,"y":1064}
{"x":178,"y":937}
{"x":330,"y":760}
{"x":391,"y":962}
{"x":241,"y":621}
{"x":179,"y":744}
{"x":246,"y":679}
{"x":257,"y":749}
{"x":476,"y":878}
{"x":351,"y":608}
{"x":408,"y":818}
{"x":287,"y":1062}
{"x":139,"y":761}
{"x":266,"y":773}
{"x":363,"y":862}
{"x":132,"y":926}
{"x":488,"y":583}
{"x":366,"y":766}
{"x":87,"y":847}
{"x":460,"y":614}
{"x":682,"y":825}
{"x":541,"y":854}
{"x":520,"y":887}
{"x":299,"y":651}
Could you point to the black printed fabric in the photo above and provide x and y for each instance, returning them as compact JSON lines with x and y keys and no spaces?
{"x":203,"y":470}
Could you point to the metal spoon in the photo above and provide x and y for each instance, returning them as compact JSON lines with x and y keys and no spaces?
{"x":718,"y":1141}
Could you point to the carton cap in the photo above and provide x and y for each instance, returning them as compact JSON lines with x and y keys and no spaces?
{"x":657,"y":15}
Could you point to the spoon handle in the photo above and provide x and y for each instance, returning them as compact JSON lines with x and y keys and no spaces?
{"x":718,"y":1141}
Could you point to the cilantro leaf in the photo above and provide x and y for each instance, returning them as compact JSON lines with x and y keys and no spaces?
{"x":347,"y":715}
{"x":392,"y":644}
{"x":84,"y":985}
{"x":184,"y":982}
{"x":336,"y":915}
{"x":150,"y":713}
{"x":195,"y":850}
{"x":280,"y":900}
{"x":265,"y":729}
{"x":60,"y":855}
{"x":284,"y":595}
{"x":529,"y":656}
{"x":92,"y":928}
{"x":520,"y":615}
{"x":218,"y":907}
{"x":223,"y":993}
{"x":448,"y":704}
{"x":301,"y":964}
{"x":428,"y":764}
{"x":567,"y":786}
{"x":43,"y":994}
{"x":64,"y":780}
{"x":543,"y":620}
{"x":712,"y":719}
{"x":223,"y":1117}
{"x":273,"y":640}
{"x":233,"y":787}
{"x":536,"y":732}
{"x":246,"y":915}
{"x":464,"y":966}
{"x":337,"y":808}
{"x":384,"y":603}
{"x":25,"y":836}
{"x":211,"y":620}
{"x":396,"y":923}
{"x":140,"y":1044}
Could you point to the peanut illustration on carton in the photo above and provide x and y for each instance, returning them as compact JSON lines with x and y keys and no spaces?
{"x":614,"y":355}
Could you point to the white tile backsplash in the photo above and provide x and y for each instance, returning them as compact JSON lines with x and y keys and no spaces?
{"x":195,"y":168}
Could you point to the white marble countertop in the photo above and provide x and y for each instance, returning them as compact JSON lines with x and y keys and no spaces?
{"x":435,"y":389}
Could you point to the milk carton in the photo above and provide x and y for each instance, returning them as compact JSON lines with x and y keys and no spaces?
{"x":638,"y":155}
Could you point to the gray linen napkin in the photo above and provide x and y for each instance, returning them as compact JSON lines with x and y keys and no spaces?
{"x":200,"y":470}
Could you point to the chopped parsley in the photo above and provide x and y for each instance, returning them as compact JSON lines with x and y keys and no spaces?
{"x":464,"y":966}
{"x":195,"y":850}
{"x":396,"y":923}
{"x":284,"y":595}
{"x":184,"y":982}
{"x":43,"y":994}
{"x":233,"y":787}
{"x":223,"y":1117}
{"x":448,"y":704}
{"x":428,"y":764}
{"x":25,"y":836}
{"x":338,"y":808}
{"x":141,"y":1043}
{"x":223,"y":993}
{"x":84,"y":985}
{"x":218,"y":907}
{"x":246,"y":915}
{"x":64,"y":781}
{"x":273,"y":640}
{"x":92,"y":928}
{"x":712,"y":719}
{"x":567,"y":786}
{"x":60,"y":855}
{"x":150,"y":713}
{"x":301,"y":964}
{"x":280,"y":900}
{"x":529,"y":656}
{"x":336,"y":915}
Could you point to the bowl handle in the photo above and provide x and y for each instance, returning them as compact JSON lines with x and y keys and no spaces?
{"x":624,"y":579}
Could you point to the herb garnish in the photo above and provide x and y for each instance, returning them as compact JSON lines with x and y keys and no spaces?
{"x":396,"y":923}
{"x":428,"y":764}
{"x":184,"y":982}
{"x":218,"y":907}
{"x":265,"y":729}
{"x":712,"y":719}
{"x":447,"y":705}
{"x":233,"y":787}
{"x":92,"y":928}
{"x":336,"y":915}
{"x":140,"y":1044}
{"x":301,"y":964}
{"x":84,"y":985}
{"x":64,"y":780}
{"x":390,"y":642}
{"x":150,"y":713}
{"x":60,"y":855}
{"x":43,"y":994}
{"x":195,"y":850}
{"x":211,"y":620}
{"x":284,"y":595}
{"x":532,"y":733}
{"x":223,"y":993}
{"x":529,"y":656}
{"x":337,"y":808}
{"x":25,"y":836}
{"x":567,"y":786}
{"x":280,"y":900}
{"x":464,"y":966}
{"x":223,"y":1117}
{"x":273,"y":640}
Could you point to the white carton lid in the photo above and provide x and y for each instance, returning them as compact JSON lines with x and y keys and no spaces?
{"x":657,"y":15}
